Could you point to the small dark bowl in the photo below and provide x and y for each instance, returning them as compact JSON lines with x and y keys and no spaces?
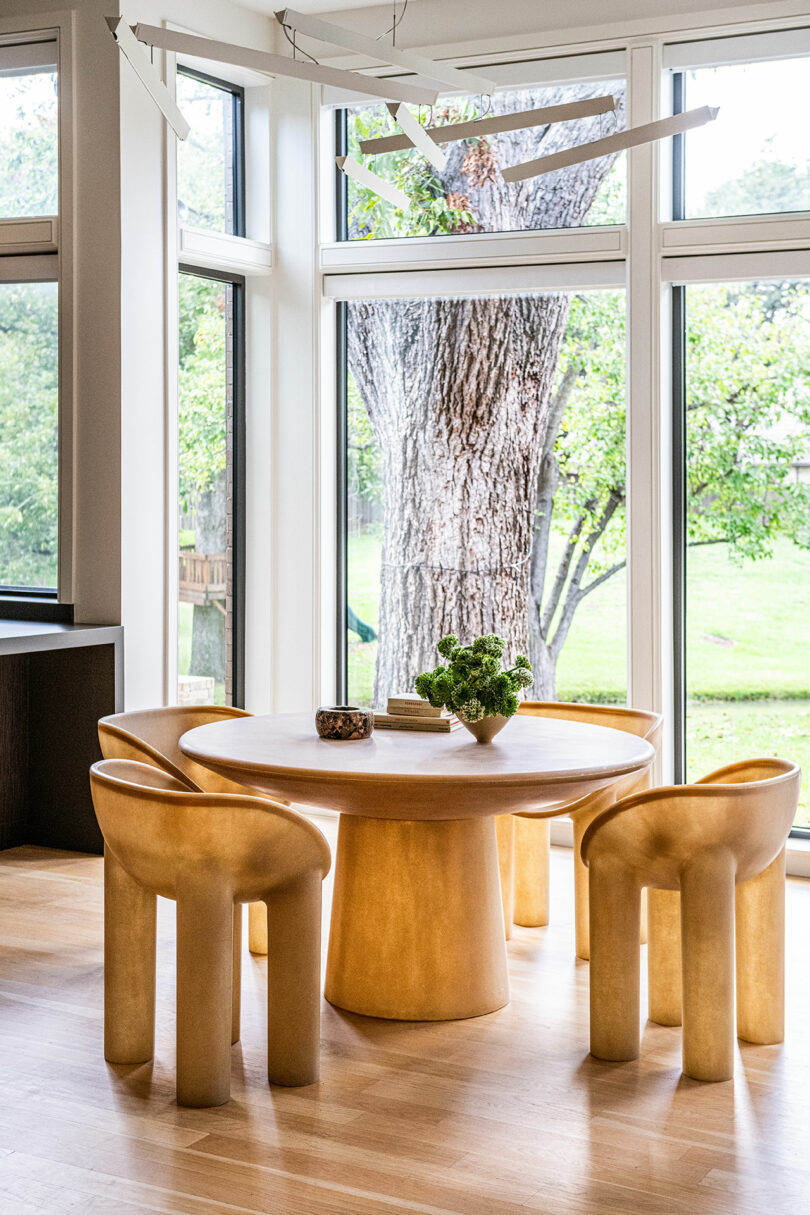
{"x":344,"y":722}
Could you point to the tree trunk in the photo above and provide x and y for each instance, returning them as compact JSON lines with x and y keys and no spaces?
{"x":458,"y":392}
{"x":208,"y":653}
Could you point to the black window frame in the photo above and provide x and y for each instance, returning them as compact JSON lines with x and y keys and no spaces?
{"x":237,"y":94}
{"x":239,"y":458}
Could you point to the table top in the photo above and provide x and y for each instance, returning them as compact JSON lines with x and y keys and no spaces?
{"x":533,"y":762}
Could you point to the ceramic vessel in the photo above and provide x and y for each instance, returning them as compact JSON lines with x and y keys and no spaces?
{"x":485,"y":730}
{"x":344,"y":723}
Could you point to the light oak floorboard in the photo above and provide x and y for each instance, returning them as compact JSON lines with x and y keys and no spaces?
{"x":497,"y":1115}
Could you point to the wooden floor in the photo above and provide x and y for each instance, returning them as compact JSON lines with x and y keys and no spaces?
{"x":501,"y":1114}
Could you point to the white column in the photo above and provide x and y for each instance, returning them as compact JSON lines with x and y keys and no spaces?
{"x":649,"y":430}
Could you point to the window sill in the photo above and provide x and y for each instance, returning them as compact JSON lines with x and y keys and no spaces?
{"x":35,"y":607}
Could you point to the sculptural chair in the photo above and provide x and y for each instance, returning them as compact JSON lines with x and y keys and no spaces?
{"x":152,"y":736}
{"x":531,"y":831}
{"x":207,"y":851}
{"x":707,"y":847}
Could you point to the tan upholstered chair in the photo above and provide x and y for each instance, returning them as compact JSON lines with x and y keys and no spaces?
{"x":208,"y":851}
{"x":701,"y":849}
{"x":531,"y":831}
{"x":152,"y":736}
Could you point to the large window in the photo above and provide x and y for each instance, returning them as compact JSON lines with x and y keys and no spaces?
{"x":485,"y":486}
{"x":496,"y":471}
{"x":210,"y":419}
{"x":469,"y":195}
{"x":755,"y":158}
{"x":29,"y":320}
{"x":210,"y":162}
{"x":211,"y":396}
{"x":746,"y":451}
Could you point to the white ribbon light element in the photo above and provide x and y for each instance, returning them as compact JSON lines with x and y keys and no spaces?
{"x":281,"y":65}
{"x":612,"y":143}
{"x":371,"y":181}
{"x":439,"y":73}
{"x":147,"y":74}
{"x":416,"y":135}
{"x":495,"y":125}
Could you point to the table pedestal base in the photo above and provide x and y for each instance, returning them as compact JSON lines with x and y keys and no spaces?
{"x":417,"y":920}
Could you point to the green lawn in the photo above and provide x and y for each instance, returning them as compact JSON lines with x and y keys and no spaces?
{"x":748,"y":652}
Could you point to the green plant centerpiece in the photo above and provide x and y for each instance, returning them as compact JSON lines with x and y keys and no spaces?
{"x":473,"y":683}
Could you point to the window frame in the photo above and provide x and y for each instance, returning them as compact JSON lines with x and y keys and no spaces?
{"x":30,"y":251}
{"x":238,"y":458}
{"x":658,"y":251}
{"x":237,"y":94}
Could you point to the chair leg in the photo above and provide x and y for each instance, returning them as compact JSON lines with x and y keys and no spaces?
{"x":664,"y":956}
{"x":294,"y":982}
{"x":615,"y":903}
{"x":257,"y":928}
{"x":531,"y":871}
{"x":205,"y":947}
{"x":505,"y":835}
{"x":582,"y":914}
{"x":130,"y":916}
{"x":760,"y":931}
{"x":707,"y":950}
{"x":236,"y":986}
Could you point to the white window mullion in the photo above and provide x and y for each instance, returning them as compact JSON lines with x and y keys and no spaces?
{"x":649,"y":543}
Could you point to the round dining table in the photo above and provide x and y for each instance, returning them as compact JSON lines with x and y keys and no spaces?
{"x":417,"y":930}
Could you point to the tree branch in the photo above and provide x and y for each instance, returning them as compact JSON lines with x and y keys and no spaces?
{"x":562,"y":574}
{"x":547,"y":482}
{"x":574,"y":594}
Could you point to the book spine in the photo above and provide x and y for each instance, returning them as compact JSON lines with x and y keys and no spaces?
{"x":415,"y":709}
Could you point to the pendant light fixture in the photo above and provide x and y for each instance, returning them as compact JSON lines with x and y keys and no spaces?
{"x":631,"y":138}
{"x":495,"y":124}
{"x":282,"y":65}
{"x":132,"y":51}
{"x":420,"y":65}
{"x":364,"y":177}
{"x":416,"y":136}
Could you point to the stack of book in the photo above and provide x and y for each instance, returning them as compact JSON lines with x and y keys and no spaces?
{"x":409,"y":712}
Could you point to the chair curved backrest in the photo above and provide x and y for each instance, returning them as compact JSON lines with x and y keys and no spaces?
{"x":152,"y":736}
{"x":160,"y":831}
{"x":745,"y":809}
{"x":641,"y":722}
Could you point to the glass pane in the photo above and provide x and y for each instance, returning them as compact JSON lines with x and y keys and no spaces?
{"x":29,"y":419}
{"x":748,"y":525}
{"x":205,"y":511}
{"x":29,"y":149}
{"x":486,"y":488}
{"x":754,"y":158}
{"x":205,"y":160}
{"x":469,"y":194}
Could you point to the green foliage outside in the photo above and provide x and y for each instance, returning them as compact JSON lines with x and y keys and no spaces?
{"x":201,"y":386}
{"x":434,"y":213}
{"x":471,"y":681}
{"x":204,"y":179}
{"x":29,"y":389}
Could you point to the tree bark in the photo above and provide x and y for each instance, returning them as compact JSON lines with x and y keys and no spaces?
{"x":459,"y":394}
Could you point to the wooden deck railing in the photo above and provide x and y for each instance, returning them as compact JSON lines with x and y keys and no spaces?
{"x":203,"y":578}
